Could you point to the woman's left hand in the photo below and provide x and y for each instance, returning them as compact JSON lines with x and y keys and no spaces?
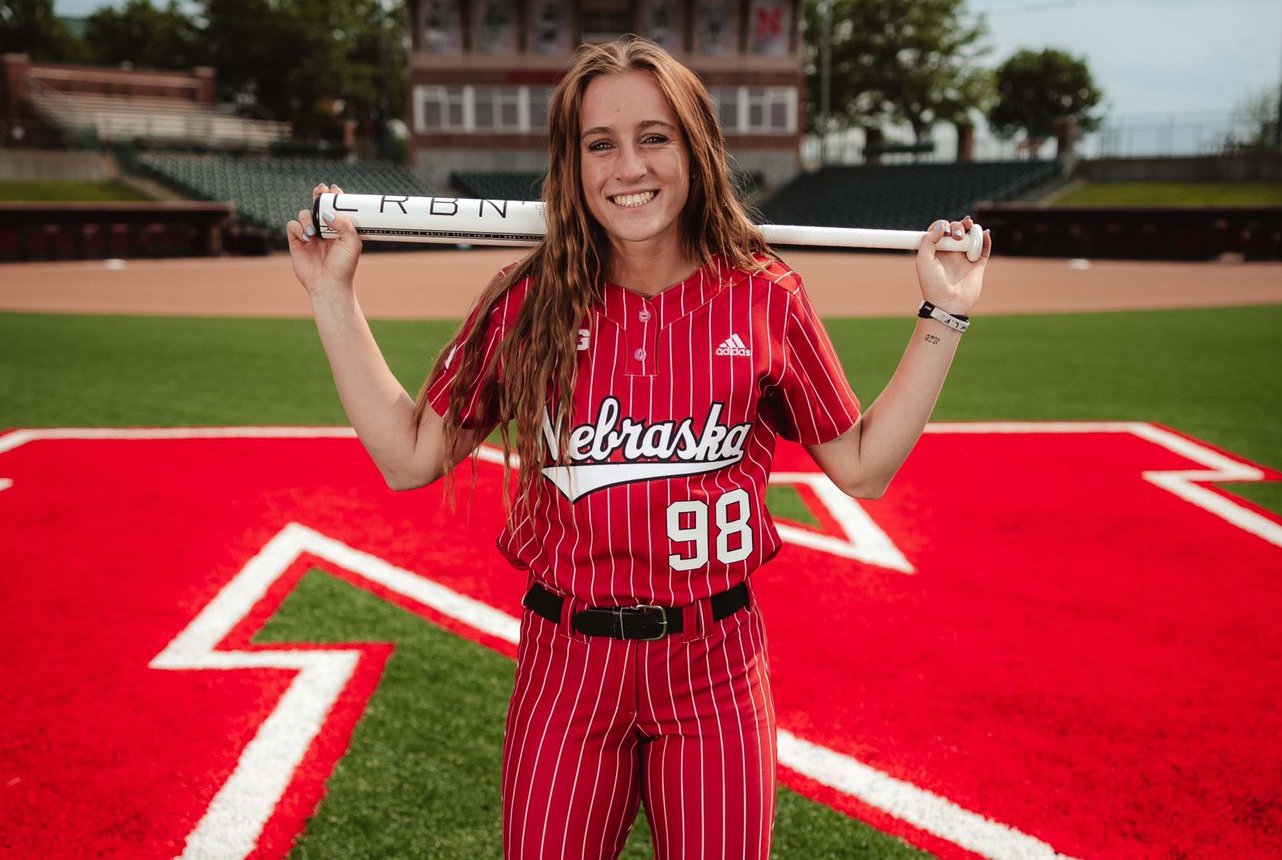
{"x":948,"y":280}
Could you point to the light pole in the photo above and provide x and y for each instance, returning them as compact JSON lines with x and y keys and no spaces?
{"x":825,"y":76}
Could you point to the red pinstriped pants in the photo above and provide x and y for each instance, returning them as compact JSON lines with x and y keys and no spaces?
{"x":684,"y":725}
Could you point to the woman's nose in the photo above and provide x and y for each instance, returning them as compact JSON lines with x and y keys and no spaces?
{"x":630,"y":164}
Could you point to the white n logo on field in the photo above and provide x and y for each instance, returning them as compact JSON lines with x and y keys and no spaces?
{"x":733,"y":345}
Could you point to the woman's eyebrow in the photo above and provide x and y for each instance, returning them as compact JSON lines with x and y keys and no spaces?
{"x":605,"y":129}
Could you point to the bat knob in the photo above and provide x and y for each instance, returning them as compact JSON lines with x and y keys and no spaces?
{"x":974,"y":243}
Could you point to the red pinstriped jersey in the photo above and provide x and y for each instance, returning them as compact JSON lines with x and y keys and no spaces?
{"x":679,"y":398}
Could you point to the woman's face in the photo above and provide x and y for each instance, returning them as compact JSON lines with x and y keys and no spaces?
{"x":635,"y":163}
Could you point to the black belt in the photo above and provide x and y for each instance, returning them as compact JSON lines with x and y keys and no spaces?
{"x":631,"y":622}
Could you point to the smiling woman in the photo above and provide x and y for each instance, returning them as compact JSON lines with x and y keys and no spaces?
{"x":649,"y":352}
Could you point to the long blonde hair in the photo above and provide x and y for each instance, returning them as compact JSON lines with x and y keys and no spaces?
{"x":538,"y":352}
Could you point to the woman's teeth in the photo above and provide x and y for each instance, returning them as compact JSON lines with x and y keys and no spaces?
{"x":633,"y":199}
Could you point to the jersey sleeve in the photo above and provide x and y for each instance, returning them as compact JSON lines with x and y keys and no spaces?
{"x":811,"y":399}
{"x":481,"y":408}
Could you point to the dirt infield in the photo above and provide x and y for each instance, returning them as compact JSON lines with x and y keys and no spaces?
{"x":442,"y":284}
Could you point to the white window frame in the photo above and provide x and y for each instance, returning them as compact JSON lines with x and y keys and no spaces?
{"x":465,"y":95}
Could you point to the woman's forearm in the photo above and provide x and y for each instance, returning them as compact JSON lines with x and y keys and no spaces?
{"x":378,"y":407}
{"x":894,"y":422}
{"x":863,"y":460}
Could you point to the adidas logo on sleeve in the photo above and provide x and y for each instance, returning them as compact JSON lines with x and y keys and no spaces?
{"x":733,"y":345}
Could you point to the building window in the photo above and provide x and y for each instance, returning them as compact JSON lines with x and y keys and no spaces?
{"x":603,"y":20}
{"x":441,"y":108}
{"x":497,"y":108}
{"x":726,"y":100}
{"x":549,"y":30}
{"x":772,"y":110}
{"x":756,"y":110}
{"x":495,"y":27}
{"x":442,"y":27}
{"x":537,"y":107}
{"x":769,"y":25}
{"x":662,"y":19}
{"x":717,"y":28}
{"x":481,"y":109}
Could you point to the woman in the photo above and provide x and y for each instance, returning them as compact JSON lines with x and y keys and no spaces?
{"x":647,"y":352}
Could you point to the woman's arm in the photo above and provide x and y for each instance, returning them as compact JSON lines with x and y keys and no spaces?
{"x":378,"y":407}
{"x":863,"y":460}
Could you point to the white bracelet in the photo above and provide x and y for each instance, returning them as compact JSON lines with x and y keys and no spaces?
{"x":928,"y":311}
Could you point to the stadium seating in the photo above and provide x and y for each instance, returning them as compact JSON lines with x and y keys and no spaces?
{"x":267,"y":191}
{"x":157,"y":121}
{"x":900,"y":197}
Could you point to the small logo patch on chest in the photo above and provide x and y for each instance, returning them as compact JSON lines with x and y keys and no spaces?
{"x":733,"y":345}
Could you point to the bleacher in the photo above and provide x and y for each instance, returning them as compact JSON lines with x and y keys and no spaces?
{"x":901,"y":197}
{"x":96,"y":118}
{"x":266,"y":191}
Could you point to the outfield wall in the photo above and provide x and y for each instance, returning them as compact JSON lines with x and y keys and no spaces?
{"x":1253,"y":167}
{"x":1135,"y":233}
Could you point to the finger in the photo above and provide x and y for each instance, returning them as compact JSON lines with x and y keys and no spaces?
{"x":967,"y":222}
{"x":296,"y":233}
{"x":305,"y":219}
{"x":955,"y":230}
{"x":987,"y":249}
{"x":336,"y":189}
{"x":320,"y":189}
{"x":343,"y":226}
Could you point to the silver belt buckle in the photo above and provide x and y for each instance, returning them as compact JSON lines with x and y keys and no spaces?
{"x":663,"y":618}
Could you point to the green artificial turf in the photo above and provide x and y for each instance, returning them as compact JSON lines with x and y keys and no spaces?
{"x":421,"y":778}
{"x":1172,"y":194}
{"x":66,"y":191}
{"x":1210,"y":373}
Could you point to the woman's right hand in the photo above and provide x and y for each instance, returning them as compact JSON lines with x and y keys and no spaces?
{"x":321,"y":264}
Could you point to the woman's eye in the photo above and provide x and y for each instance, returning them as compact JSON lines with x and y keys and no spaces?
{"x":654,"y":138}
{"x":598,"y":145}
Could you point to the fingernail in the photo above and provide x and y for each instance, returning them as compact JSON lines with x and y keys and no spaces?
{"x":305,"y":239}
{"x":309,"y":230}
{"x":327,"y":216}
{"x":957,"y":234}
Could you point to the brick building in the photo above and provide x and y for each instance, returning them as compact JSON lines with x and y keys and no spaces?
{"x":480,"y":73}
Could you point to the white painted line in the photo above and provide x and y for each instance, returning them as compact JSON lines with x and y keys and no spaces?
{"x":920,"y":808}
{"x":864,"y":540}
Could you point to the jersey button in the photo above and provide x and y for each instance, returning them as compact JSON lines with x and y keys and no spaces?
{"x":644,"y":315}
{"x":639,"y":355}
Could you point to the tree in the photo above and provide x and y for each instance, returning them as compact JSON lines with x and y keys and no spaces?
{"x":144,"y":36}
{"x":31,"y":27}
{"x":312,"y":64}
{"x":1255,"y":123}
{"x":1037,"y":89}
{"x":913,"y":61}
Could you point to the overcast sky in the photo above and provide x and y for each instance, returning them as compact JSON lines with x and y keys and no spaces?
{"x":1146,"y":55}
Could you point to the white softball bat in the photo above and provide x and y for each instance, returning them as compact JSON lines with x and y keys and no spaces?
{"x":460,"y":220}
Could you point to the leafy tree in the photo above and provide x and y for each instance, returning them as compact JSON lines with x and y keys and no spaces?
{"x":314,"y":64}
{"x":1035,"y":89}
{"x":145,"y":36}
{"x":1255,"y":123}
{"x":30,"y":27}
{"x":913,"y":61}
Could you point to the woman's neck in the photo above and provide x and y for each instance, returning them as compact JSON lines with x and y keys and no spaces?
{"x":647,"y":268}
